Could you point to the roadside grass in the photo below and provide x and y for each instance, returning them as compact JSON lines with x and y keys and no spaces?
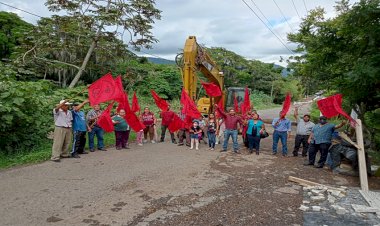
{"x":42,"y":152}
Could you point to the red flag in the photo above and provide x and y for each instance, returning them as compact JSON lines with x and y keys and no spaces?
{"x":119,"y":90}
{"x":236,"y":104}
{"x":286,"y":105}
{"x":105,"y":121}
{"x":123,"y":103}
{"x":327,"y":106}
{"x":135,"y":103}
{"x":246,"y":106}
{"x":211,"y":89}
{"x":332,"y":106}
{"x":176,"y":124}
{"x":220,"y":106}
{"x":102,"y":90}
{"x":189,"y":107}
{"x":161,"y":103}
{"x":133,"y":121}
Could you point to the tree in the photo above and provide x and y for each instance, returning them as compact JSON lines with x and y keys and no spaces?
{"x":12,"y":31}
{"x":342,"y":53}
{"x":134,"y":16}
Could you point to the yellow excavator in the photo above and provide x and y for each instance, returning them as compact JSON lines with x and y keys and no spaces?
{"x":195,"y":58}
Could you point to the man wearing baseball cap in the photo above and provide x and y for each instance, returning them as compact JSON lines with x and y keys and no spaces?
{"x":320,"y":139}
{"x":62,"y":131}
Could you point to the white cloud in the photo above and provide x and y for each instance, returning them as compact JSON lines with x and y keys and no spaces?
{"x":216,"y":23}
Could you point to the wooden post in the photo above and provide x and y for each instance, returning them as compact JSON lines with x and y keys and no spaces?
{"x":361,"y":156}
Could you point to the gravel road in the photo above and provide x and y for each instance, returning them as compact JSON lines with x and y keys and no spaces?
{"x":161,"y":184}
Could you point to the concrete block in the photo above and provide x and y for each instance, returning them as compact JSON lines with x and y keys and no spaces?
{"x":304,"y":208}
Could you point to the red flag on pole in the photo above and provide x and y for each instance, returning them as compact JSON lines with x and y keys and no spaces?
{"x":135,"y":103}
{"x":123,"y":103}
{"x":286,"y":105}
{"x":189,"y":107}
{"x":133,"y":121}
{"x":161,"y":103}
{"x":332,"y":106}
{"x":220,"y":106}
{"x":236,"y":104}
{"x":105,"y":121}
{"x":246,"y":106}
{"x":327,"y":106}
{"x":211,"y":89}
{"x":176,"y":124}
{"x":119,"y":90}
{"x":102,"y":90}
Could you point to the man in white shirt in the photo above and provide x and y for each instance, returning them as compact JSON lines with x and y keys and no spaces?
{"x":62,"y":131}
{"x":304,"y":127}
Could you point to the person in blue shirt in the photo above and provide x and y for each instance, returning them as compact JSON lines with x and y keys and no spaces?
{"x":255,"y":128}
{"x":282,"y":129}
{"x":79,"y":129}
{"x":320,"y":140}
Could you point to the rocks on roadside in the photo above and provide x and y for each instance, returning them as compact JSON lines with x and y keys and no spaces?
{"x":319,"y":194}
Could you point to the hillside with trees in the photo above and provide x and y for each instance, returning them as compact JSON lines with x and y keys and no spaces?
{"x":40,"y":62}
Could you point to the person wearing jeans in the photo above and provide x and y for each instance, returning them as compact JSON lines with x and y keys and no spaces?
{"x":94,"y":129}
{"x":255,"y":127}
{"x":282,"y":129}
{"x":211,"y":126}
{"x":231,"y":120}
{"x":79,"y":130}
{"x":320,"y":140}
{"x":304,"y":127}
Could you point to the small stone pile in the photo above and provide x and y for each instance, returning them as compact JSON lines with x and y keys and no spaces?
{"x":320,"y":194}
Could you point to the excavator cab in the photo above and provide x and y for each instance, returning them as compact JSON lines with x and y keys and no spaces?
{"x":232,"y":93}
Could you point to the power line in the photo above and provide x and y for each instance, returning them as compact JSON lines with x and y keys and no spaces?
{"x":21,"y":10}
{"x":267,"y":27}
{"x":264,"y":16}
{"x":294,"y":5}
{"x":304,"y":4}
{"x":283,"y":15}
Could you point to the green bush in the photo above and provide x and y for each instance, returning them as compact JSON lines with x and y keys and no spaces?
{"x":23,"y":113}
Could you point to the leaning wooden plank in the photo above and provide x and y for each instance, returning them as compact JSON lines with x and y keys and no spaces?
{"x":346,"y":138}
{"x":364,"y":209}
{"x":311,"y":183}
{"x":303,"y":182}
{"x":361,"y":156}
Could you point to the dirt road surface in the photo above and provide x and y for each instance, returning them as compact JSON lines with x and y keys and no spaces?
{"x":161,"y":184}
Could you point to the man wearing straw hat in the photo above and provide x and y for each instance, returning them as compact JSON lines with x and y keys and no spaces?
{"x":62,"y":131}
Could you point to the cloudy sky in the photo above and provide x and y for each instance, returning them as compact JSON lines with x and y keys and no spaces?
{"x":216,"y":23}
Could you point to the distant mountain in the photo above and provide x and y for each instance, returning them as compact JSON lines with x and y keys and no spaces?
{"x":284,"y":71}
{"x":155,"y":60}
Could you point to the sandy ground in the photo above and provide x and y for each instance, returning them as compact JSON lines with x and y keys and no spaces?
{"x":162,"y":184}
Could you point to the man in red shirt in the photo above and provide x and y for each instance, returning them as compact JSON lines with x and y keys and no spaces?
{"x":167,"y":117}
{"x":231,"y":120}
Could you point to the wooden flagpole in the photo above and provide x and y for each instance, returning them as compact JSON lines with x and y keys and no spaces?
{"x":361,"y":156}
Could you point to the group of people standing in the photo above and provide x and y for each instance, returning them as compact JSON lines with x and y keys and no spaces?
{"x":73,"y":125}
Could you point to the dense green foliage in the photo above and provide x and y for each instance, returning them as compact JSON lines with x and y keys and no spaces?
{"x":21,"y":106}
{"x":12,"y":33}
{"x":342,"y":54}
